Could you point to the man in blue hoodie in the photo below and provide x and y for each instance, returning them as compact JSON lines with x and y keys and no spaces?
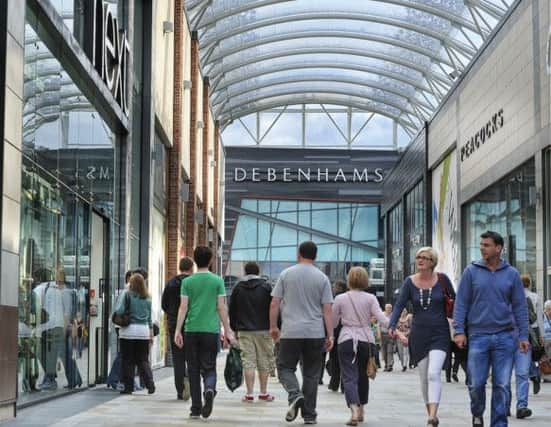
{"x":489,"y":297}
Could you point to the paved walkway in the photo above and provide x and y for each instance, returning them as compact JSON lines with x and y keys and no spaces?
{"x":396,"y":402}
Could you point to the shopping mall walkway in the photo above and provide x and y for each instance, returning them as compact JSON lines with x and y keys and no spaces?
{"x":395,"y":403}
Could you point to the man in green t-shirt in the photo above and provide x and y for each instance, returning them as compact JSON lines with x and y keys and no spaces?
{"x":202,"y":300}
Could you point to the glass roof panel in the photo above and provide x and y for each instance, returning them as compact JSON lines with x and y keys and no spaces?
{"x":394,"y":58}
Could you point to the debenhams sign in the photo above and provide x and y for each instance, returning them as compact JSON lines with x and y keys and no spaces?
{"x":307,"y":175}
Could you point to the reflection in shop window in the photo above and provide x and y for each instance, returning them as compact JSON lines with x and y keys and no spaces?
{"x":509,"y":208}
{"x":275,"y":245}
{"x":68,"y":167}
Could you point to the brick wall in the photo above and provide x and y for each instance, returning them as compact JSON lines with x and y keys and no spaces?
{"x":175,"y":153}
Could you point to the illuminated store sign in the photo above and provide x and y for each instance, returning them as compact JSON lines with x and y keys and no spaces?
{"x":107,"y":47}
{"x":307,"y":175}
{"x":483,"y":135}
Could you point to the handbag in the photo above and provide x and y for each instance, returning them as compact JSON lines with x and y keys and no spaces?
{"x":371,"y":369}
{"x":534,"y":339}
{"x":545,"y":367}
{"x":449,"y":301}
{"x":372,"y":362}
{"x":123,"y":320}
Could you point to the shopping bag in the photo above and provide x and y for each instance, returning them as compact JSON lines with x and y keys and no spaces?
{"x":233,"y":372}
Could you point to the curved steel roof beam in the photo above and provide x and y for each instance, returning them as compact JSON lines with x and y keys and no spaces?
{"x":190,"y":4}
{"x":363,"y":53}
{"x":491,"y":9}
{"x":223,"y":53}
{"x":259,"y":96}
{"x":206,"y":40}
{"x":299,"y":65}
{"x":432,"y":10}
{"x":219,"y":94}
{"x":323,"y":99}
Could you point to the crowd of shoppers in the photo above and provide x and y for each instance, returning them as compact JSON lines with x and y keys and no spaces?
{"x":388,"y":343}
{"x":484,"y":328}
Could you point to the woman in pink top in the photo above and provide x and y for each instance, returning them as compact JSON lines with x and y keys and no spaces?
{"x":354,"y":310}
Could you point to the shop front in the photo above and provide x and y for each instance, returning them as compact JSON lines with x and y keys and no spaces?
{"x":69,"y":230}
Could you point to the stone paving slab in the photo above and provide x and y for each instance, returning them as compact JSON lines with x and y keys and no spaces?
{"x":395,"y":401}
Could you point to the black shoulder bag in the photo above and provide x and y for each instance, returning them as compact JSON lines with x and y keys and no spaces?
{"x":533,"y":333}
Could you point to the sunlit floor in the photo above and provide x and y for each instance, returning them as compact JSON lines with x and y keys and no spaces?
{"x":394,"y":401}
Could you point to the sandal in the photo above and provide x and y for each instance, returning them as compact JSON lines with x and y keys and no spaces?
{"x":266,"y":397}
{"x":355,"y":415}
{"x":248,"y":398}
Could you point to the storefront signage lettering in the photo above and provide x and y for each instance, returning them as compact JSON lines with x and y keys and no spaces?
{"x":483,"y":135}
{"x":109,"y":50}
{"x":96,"y":173}
{"x":307,"y":175}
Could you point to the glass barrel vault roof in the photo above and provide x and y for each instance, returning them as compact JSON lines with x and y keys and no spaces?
{"x":397,"y":58}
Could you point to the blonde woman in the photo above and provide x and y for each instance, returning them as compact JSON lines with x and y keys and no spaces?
{"x":136,"y":337}
{"x":354,"y":310}
{"x":429,"y":337}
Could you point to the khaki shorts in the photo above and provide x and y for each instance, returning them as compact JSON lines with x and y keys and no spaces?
{"x":257,"y":350}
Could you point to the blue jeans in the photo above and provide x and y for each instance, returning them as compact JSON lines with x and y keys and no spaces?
{"x":523,"y":364}
{"x":496,"y":351}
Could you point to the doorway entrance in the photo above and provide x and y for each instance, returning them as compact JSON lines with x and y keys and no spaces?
{"x":99,"y":297}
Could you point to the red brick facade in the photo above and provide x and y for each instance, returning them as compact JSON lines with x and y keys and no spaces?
{"x":196,"y":228}
{"x":174,"y":214}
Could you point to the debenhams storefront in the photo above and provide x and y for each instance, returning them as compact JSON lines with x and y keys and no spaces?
{"x":70,"y":148}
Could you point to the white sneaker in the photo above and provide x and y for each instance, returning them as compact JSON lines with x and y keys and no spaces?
{"x":186,"y":394}
{"x":294,"y":406}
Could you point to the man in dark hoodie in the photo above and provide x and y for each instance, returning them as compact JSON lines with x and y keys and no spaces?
{"x":490,"y":302}
{"x":249,"y":317}
{"x":170,"y":304}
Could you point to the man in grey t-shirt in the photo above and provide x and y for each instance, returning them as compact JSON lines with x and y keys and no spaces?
{"x":303,"y":295}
